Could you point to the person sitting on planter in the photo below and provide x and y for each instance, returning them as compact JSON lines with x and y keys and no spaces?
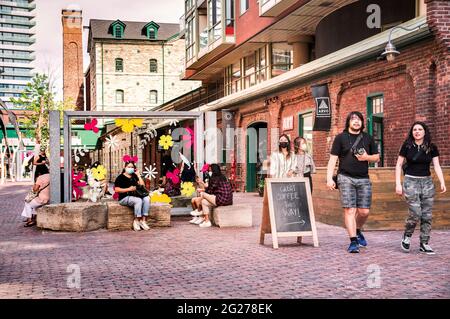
{"x":42,"y":187}
{"x":125,"y":185}
{"x":218,"y":193}
{"x":196,"y":202}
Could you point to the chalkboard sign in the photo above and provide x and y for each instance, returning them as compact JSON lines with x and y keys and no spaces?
{"x":290,"y":205}
{"x":288,"y":210}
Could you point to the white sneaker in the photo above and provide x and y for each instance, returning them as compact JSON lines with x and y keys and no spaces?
{"x":144,"y":225}
{"x":205,"y":224}
{"x":196,"y":213}
{"x":136,"y":225}
{"x":199,"y":221}
{"x":193,"y":220}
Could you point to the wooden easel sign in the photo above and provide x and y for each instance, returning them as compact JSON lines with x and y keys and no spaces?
{"x":288,"y":210}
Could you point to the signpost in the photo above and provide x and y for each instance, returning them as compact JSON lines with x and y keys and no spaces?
{"x":288,"y":210}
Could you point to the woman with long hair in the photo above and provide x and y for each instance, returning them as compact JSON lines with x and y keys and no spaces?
{"x":125,"y":185}
{"x":218,"y":193}
{"x":282,"y":162}
{"x":419,"y":152}
{"x":303,"y":162}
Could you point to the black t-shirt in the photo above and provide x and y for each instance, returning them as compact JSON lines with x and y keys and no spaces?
{"x":41,"y":169}
{"x":421,"y":165}
{"x":124,"y":182}
{"x":348,"y":163}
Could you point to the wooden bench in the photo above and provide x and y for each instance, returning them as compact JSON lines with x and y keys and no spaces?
{"x":121,"y":217}
{"x":232,"y":216}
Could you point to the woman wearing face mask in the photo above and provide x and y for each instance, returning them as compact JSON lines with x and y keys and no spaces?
{"x":282,"y":162}
{"x":303,"y":161}
{"x":124,"y":185}
{"x":418,"y":187}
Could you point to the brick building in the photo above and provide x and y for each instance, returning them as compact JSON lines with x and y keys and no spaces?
{"x":265,"y":56}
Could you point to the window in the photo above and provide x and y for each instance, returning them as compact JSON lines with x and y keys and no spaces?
{"x":153,"y":66}
{"x":249,"y":67}
{"x":305,"y":129}
{"x":215,"y":18}
{"x":119,"y":96}
{"x":375,"y":127}
{"x":244,"y":5}
{"x":118,"y":31}
{"x":190,"y":43}
{"x":281,"y":58}
{"x":153,"y":97}
{"x":151,"y":33}
{"x":119,"y":65}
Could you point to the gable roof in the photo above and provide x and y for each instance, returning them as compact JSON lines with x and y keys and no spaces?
{"x":100,"y":29}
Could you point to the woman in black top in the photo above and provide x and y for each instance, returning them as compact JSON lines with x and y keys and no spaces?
{"x":125,"y":185}
{"x":41,"y":162}
{"x":418,"y":187}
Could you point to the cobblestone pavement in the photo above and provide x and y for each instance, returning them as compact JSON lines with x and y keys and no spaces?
{"x":185,"y":261}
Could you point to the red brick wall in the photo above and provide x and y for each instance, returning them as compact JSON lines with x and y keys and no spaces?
{"x":249,"y":23}
{"x":73,"y":59}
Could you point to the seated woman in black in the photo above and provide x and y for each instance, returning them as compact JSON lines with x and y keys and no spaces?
{"x":125,"y":185}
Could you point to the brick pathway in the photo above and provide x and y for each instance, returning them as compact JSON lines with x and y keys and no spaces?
{"x":185,"y":261}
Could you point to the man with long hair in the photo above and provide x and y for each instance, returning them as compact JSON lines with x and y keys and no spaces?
{"x":355,"y":149}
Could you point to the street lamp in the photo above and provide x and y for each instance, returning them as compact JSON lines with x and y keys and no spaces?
{"x":390,"y":51}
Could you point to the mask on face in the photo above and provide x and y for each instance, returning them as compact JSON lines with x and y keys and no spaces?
{"x":210,"y":174}
{"x":283,"y":144}
{"x":129,"y":170}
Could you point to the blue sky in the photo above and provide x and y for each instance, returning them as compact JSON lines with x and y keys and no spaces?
{"x":49,"y":31}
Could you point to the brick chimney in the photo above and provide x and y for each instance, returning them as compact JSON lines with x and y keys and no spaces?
{"x":73,"y":57}
{"x":438,"y":19}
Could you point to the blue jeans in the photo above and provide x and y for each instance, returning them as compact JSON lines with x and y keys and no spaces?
{"x":141,"y":205}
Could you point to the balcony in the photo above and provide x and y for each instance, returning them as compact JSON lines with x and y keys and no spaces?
{"x":29,"y":40}
{"x":18,"y":73}
{"x":272,"y":8}
{"x":19,"y":4}
{"x":10,"y":90}
{"x":18,"y":22}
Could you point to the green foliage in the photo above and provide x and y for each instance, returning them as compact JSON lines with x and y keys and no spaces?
{"x":39,"y":99}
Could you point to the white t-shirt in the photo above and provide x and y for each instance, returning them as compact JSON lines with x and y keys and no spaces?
{"x":280,"y":165}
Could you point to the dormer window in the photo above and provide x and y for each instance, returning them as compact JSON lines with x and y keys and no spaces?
{"x":151,"y":30}
{"x":117,"y":29}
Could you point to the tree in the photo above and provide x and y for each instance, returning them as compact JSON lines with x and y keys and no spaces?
{"x":38,"y":98}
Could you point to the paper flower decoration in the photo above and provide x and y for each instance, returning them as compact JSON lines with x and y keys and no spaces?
{"x":92,"y":126}
{"x":174,"y":176}
{"x":185,"y":160}
{"x":188,"y":138}
{"x":149,"y":133}
{"x":205,"y":168}
{"x":128,"y":125}
{"x":99,"y":172}
{"x":150,"y":172}
{"x":128,"y":158}
{"x":187,"y":189}
{"x":115,"y":195}
{"x":79,"y":151}
{"x":174,"y":122}
{"x":112,"y":143}
{"x":160,"y":198}
{"x":165,"y":141}
{"x":77,"y":184}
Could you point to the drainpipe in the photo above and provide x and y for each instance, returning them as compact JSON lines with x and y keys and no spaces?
{"x":103,"y":84}
{"x":163,"y":72}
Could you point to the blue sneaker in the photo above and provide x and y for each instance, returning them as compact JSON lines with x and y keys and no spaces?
{"x":361,"y":240}
{"x":353,"y":248}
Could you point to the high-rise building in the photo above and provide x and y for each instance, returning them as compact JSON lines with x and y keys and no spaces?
{"x":17,"y":22}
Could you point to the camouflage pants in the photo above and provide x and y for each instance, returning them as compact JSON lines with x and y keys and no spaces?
{"x":419,"y":194}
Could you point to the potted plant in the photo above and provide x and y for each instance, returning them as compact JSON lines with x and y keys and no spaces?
{"x":261,"y":186}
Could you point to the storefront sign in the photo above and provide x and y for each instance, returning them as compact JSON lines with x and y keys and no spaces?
{"x":288,"y":123}
{"x":321,"y":96}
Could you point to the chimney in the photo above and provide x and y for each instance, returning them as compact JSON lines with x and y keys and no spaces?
{"x":73,"y":87}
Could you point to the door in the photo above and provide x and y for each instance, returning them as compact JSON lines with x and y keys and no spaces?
{"x":375,"y":106}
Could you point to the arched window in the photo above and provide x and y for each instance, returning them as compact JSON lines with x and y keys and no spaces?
{"x":151,"y":34}
{"x":153,"y":66}
{"x":119,"y":65}
{"x":118,"y":31}
{"x":120,"y":97}
{"x":153,"y":97}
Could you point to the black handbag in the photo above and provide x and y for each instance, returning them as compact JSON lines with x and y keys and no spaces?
{"x":140,"y":192}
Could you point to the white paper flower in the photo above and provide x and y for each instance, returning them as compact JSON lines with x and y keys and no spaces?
{"x":149,"y":133}
{"x":112,"y":143}
{"x":150,"y":172}
{"x":81,"y":151}
{"x":174,"y":122}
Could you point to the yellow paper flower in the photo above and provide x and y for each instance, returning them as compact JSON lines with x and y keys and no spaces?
{"x":157,"y":198}
{"x":99,"y":172}
{"x":165,"y":141}
{"x":128,"y":125}
{"x":187,"y":189}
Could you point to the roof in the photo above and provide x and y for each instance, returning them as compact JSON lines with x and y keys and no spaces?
{"x":100,"y":29}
